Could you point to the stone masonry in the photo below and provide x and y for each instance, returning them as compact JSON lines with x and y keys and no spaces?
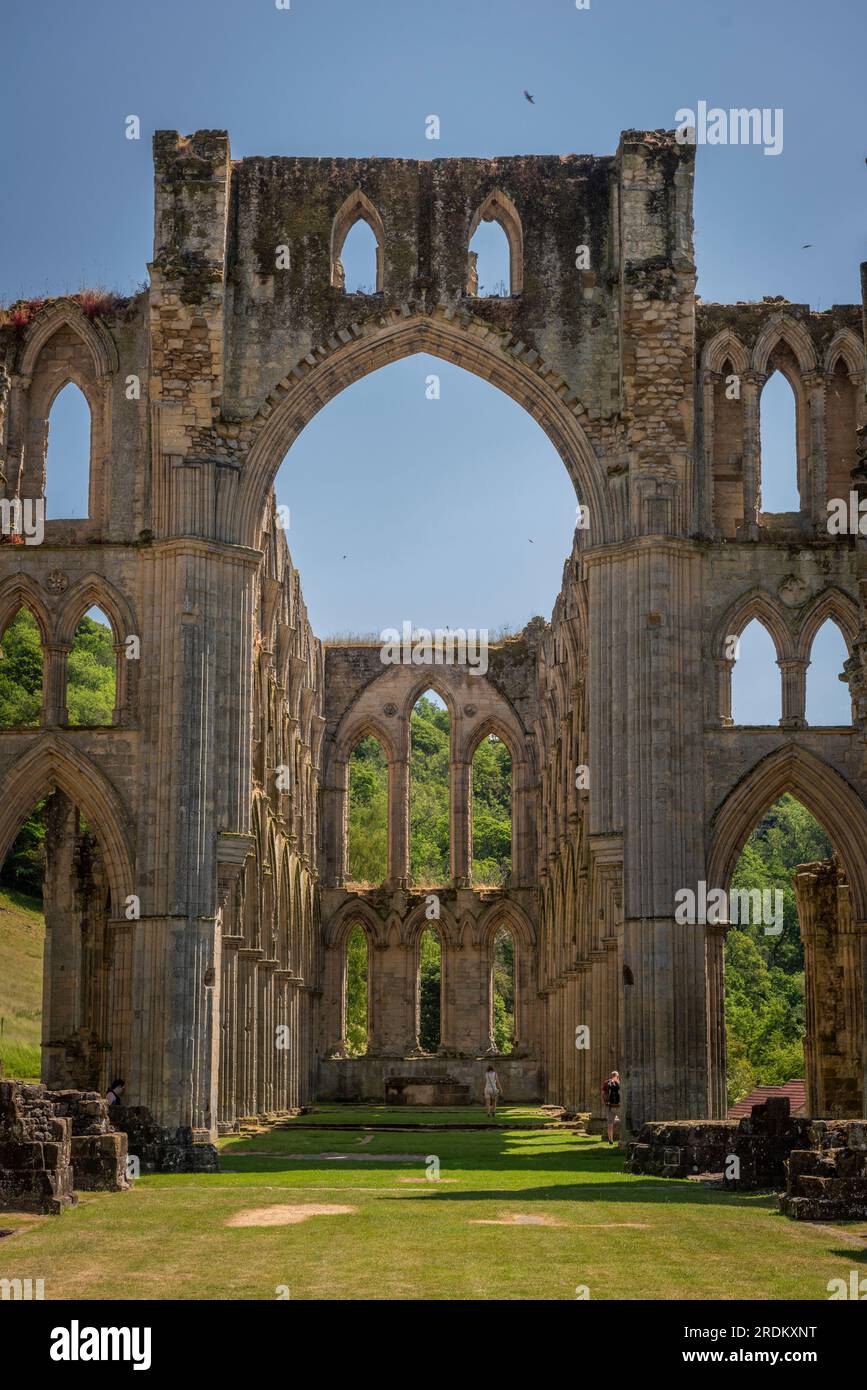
{"x":197,"y":901}
{"x":52,"y":1142}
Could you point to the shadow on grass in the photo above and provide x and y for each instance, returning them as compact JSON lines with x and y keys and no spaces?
{"x":523,"y":1155}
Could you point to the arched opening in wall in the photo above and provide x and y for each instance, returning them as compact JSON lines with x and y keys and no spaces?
{"x":21,"y":670}
{"x":430,"y":757}
{"x":57,"y":953}
{"x":490,"y":270}
{"x":503,"y":992}
{"x":779,"y":446}
{"x":841,"y":419}
{"x":359,"y":259}
{"x":419,"y":452}
{"x":367,"y":851}
{"x":492,"y":813}
{"x":91,"y":672}
{"x":67,"y":458}
{"x":357,"y":992}
{"x":756,"y":687}
{"x":22,"y":944}
{"x":430,"y":976}
{"x":828,"y":700}
{"x":765,"y":1006}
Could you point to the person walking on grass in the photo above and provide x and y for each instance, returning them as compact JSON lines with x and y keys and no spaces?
{"x":493,"y":1090}
{"x":611,"y":1101}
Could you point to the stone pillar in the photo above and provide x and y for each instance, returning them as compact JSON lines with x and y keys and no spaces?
{"x":715,"y":936}
{"x":54,"y":657}
{"x":751,"y":386}
{"x":814,"y":497}
{"x":835,"y":995}
{"x":398,"y":822}
{"x":724,"y":669}
{"x":461,"y":838}
{"x":794,"y":704}
{"x":709,"y":382}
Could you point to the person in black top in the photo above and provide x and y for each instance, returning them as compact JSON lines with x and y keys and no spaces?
{"x":115,"y":1091}
{"x":611,"y":1101}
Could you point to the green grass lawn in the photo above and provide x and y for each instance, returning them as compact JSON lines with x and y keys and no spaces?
{"x":22,"y":940}
{"x":623,"y":1237}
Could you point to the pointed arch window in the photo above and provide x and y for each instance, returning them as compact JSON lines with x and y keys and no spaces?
{"x":779,"y":446}
{"x":492,"y":813}
{"x":430,"y":990}
{"x":756,"y":686}
{"x":67,"y":457}
{"x":828,"y":700}
{"x":498,"y":208}
{"x":21,"y":672}
{"x":503,"y":991}
{"x":367,"y":273}
{"x":356,"y":993}
{"x":367,"y":858}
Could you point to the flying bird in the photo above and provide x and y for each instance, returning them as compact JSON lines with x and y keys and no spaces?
{"x":530,"y":539}
{"x":807,"y":246}
{"x":530,"y":97}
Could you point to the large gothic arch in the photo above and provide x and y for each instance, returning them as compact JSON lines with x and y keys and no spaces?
{"x":317,"y":379}
{"x":219,"y":792}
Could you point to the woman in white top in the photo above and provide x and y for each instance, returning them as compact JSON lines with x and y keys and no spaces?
{"x":492,"y":1091}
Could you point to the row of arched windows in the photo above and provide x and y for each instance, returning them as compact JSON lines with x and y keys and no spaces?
{"x":430,"y":813}
{"x":429,"y":987}
{"x":494,"y":256}
{"x":756,"y":690}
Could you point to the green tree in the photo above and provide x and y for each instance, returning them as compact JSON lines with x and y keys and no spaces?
{"x":492,"y":813}
{"x":21,"y":672}
{"x":429,"y":983}
{"x":765,"y":1010}
{"x":90,"y":681}
{"x":504,"y":991}
{"x":90,"y":699}
{"x":429,"y":799}
{"x":368,"y":812}
{"x":357,"y":961}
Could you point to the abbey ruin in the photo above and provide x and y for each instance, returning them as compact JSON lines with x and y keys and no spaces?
{"x":199,"y":947}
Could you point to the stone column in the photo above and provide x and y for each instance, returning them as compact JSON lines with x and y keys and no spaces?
{"x":708,"y":384}
{"x":715,"y":935}
{"x":724,"y":669}
{"x":54,"y":657}
{"x":751,"y":384}
{"x":814,"y":497}
{"x":794,"y":705}
{"x":398,"y":822}
{"x":461,"y":838}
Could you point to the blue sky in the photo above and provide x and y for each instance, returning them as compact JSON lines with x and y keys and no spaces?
{"x":343,"y":77}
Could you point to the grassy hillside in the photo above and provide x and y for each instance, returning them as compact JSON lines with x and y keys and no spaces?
{"x":22,"y":938}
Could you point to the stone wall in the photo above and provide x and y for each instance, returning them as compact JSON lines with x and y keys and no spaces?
{"x":52,"y":1142}
{"x":364,"y":1078}
{"x":826,"y":1176}
{"x":761,"y":1143}
{"x":206,"y":977}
